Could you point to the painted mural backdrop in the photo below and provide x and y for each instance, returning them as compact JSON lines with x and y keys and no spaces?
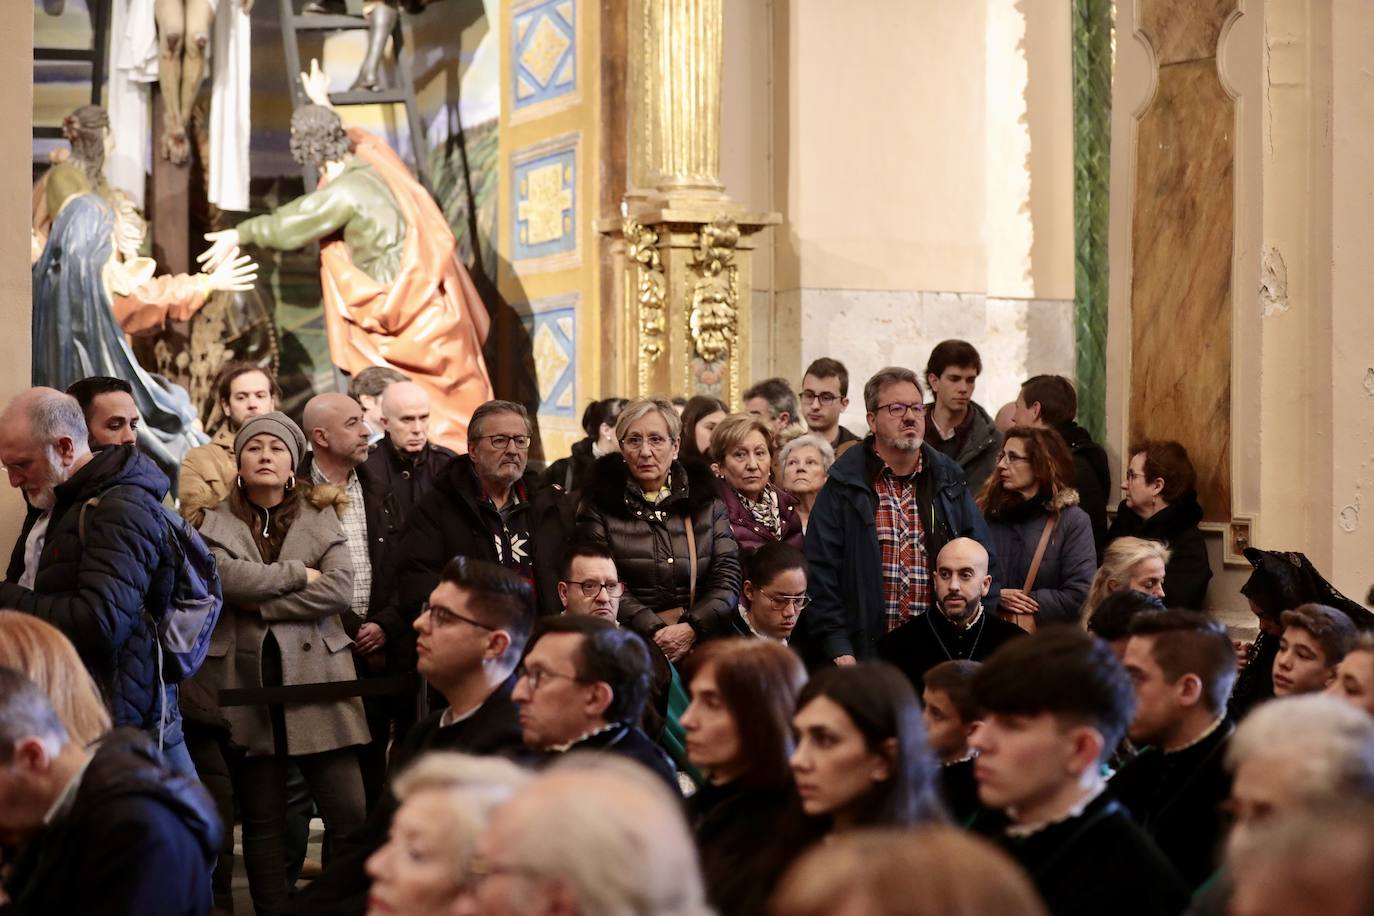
{"x":455,"y":64}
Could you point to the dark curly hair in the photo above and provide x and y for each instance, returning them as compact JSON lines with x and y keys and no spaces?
{"x":317,"y":136}
{"x":85,"y":130}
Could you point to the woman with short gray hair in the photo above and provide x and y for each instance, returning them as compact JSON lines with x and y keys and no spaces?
{"x":667,"y":529}
{"x":804,"y":465}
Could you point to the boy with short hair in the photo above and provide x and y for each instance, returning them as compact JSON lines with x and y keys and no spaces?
{"x":950,"y":715}
{"x":1055,"y":706}
{"x":1315,"y":639}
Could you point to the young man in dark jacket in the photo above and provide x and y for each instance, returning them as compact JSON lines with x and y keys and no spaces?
{"x":1049,"y":402}
{"x":93,"y":585}
{"x":1055,"y":705}
{"x":956,"y":426}
{"x":471,"y":635}
{"x":879,"y":522}
{"x":103,"y":831}
{"x":1182,"y":666}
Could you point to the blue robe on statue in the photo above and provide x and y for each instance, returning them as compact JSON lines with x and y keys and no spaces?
{"x":75,"y":334}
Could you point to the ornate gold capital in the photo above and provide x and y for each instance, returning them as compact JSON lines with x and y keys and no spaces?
{"x":714,"y":316}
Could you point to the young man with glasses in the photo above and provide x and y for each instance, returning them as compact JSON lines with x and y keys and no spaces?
{"x":485,"y":505}
{"x":474,"y":625}
{"x":582,"y":686}
{"x":824,"y":396}
{"x":884,"y":514}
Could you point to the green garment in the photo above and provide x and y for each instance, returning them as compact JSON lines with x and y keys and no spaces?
{"x":674,"y":739}
{"x":356,"y":201}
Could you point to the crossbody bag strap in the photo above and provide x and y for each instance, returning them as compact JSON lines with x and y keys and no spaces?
{"x":691,"y":561}
{"x":1040,"y":552}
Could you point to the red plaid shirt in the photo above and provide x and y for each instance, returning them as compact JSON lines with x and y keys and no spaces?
{"x":901,"y":538}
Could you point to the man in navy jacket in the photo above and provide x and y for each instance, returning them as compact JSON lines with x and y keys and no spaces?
{"x":879,"y":522}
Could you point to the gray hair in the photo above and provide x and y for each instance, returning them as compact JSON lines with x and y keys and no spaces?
{"x":51,"y":415}
{"x":1325,"y":745}
{"x":779,"y":395}
{"x":474,"y":787}
{"x":26,"y":712}
{"x":491,"y":408}
{"x":638,"y":410}
{"x":812,"y":440}
{"x":589,"y":815}
{"x":889,"y":375}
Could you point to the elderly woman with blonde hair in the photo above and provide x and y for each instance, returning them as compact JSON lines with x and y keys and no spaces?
{"x":742,"y":460}
{"x":48,"y":658}
{"x":446,"y":801}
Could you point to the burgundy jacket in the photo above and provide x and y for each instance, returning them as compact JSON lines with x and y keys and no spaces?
{"x":748,"y":532}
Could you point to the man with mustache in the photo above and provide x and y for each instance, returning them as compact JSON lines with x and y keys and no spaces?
{"x":485,"y":505}
{"x":959,"y":629}
{"x":882,"y":517}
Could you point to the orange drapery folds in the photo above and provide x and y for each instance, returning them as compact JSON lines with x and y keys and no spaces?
{"x":429,"y":323}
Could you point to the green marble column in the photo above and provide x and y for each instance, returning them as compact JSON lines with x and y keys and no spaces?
{"x":1092,"y":142}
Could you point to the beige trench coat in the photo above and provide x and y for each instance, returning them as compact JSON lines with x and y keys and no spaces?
{"x":304,"y":619}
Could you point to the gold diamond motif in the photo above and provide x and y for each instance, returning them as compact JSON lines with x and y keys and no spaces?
{"x":549,"y":361}
{"x":542,"y":209}
{"x":545,"y":49}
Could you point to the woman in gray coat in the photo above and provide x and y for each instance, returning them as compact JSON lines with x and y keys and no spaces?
{"x":287,"y":579}
{"x":1027,"y":492}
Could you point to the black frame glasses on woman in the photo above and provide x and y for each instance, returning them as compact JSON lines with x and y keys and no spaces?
{"x":441,"y":616}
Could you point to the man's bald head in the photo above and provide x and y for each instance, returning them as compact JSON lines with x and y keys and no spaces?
{"x":961,"y":579}
{"x":578,"y":824}
{"x":405,"y":416}
{"x":43,"y":441}
{"x":334,"y":425}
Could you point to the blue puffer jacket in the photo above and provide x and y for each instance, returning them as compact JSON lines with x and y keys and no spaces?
{"x":847,"y":615}
{"x":95,"y":592}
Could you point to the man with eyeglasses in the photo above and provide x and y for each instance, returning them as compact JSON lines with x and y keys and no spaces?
{"x":474,"y":625}
{"x":582,"y":687}
{"x":882,"y":517}
{"x":486,"y":505}
{"x":824,"y":396}
{"x":960,"y":629}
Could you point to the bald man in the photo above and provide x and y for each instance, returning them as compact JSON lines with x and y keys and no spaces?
{"x":334,"y":425}
{"x":958,"y":628}
{"x":405,"y":464}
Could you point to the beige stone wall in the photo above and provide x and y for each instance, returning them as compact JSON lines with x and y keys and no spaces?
{"x":1302,"y":410}
{"x":921,"y":155}
{"x":16,"y":154}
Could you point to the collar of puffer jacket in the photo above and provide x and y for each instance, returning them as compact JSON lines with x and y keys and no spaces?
{"x":692,"y":484}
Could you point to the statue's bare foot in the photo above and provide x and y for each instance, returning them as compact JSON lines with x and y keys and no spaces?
{"x":176,"y":148}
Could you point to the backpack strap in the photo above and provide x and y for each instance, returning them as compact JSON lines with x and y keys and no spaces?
{"x":81,"y":518}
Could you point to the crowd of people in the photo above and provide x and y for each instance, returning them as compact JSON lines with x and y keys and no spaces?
{"x":716,"y":660}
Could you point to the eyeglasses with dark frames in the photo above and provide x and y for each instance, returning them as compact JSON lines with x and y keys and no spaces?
{"x":500,"y":441}
{"x":442,"y":617}
{"x":899,"y":410}
{"x":538,"y":676}
{"x":592,"y":587}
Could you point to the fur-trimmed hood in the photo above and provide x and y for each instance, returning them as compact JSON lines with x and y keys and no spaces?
{"x":692,"y":487}
{"x":326,"y":495}
{"x":1062,"y":500}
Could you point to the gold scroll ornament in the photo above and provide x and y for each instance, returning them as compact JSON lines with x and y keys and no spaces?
{"x":714,"y":297}
{"x":642,"y":250}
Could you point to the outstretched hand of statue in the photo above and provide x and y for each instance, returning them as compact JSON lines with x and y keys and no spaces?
{"x":224,"y":245}
{"x":316,"y":85}
{"x":235,"y":273}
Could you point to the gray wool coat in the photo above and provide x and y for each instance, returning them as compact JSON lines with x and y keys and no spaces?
{"x":304,"y":619}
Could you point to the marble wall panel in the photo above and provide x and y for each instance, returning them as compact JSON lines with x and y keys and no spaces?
{"x":1184,"y":30}
{"x":1181,"y":297}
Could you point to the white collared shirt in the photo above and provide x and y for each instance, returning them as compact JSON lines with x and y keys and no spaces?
{"x":33,"y":549}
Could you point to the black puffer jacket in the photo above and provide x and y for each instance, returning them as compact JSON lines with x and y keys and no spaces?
{"x":95,"y":592}
{"x":1176,"y":526}
{"x":136,"y":839}
{"x":651,"y":555}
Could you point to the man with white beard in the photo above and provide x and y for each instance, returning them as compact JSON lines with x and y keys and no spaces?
{"x":87,"y":559}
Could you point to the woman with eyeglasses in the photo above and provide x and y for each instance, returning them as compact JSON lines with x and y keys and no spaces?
{"x":1038,"y":531}
{"x":429,"y":856}
{"x":746,"y":819}
{"x":1161,"y":505}
{"x":861,"y":758}
{"x":287,"y":580}
{"x":667,"y":529}
{"x":774,"y":593}
{"x":742,"y":460}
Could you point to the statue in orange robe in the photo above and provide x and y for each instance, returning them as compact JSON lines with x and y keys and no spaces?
{"x":395,"y":292}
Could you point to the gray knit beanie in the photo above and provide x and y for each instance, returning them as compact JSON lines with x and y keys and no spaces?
{"x":276,"y":424}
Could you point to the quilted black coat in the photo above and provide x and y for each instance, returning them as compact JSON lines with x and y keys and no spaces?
{"x":95,"y":592}
{"x":651,"y":554}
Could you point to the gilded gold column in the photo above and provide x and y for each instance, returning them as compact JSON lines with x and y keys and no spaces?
{"x":686,"y":246}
